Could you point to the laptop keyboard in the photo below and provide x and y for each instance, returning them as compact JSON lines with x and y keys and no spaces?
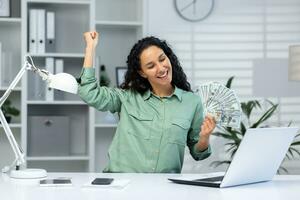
{"x":212,"y":179}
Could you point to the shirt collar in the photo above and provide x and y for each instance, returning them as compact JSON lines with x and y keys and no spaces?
{"x":147,"y":95}
{"x":177,"y":92}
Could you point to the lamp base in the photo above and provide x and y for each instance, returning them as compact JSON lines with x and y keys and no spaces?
{"x":28,"y":173}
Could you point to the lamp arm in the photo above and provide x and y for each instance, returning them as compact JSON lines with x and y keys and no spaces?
{"x":27,"y":66}
{"x":19,"y":154}
{"x":46,"y":76}
{"x":13,"y":84}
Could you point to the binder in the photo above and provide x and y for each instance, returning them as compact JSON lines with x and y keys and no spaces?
{"x":59,"y":68}
{"x":33,"y":30}
{"x":5,"y":8}
{"x":50,"y":32}
{"x":37,"y":87}
{"x":41,"y":31}
{"x":50,"y":68}
{"x":1,"y":67}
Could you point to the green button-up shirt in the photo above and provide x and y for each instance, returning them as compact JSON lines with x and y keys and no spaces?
{"x":152,"y":132}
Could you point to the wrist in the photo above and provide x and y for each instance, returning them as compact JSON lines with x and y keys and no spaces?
{"x":203,"y":143}
{"x":89,"y":48}
{"x":204,"y":138}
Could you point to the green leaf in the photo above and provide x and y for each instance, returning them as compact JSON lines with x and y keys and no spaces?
{"x":295,"y":143}
{"x":290,"y":153}
{"x":282,"y":169}
{"x":224,"y":135}
{"x":232,"y":148}
{"x":243,"y":129}
{"x":288,"y":156}
{"x":270,"y":102}
{"x":228,"y":84}
{"x":293,"y":150}
{"x":233,"y":152}
{"x":219,"y":163}
{"x":257,"y":104}
{"x":265,"y":116}
{"x":9,"y":110}
{"x":247,"y":107}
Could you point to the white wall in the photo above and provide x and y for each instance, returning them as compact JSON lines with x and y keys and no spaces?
{"x":230,"y":42}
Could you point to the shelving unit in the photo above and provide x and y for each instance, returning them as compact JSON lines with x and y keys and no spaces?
{"x":120,"y":24}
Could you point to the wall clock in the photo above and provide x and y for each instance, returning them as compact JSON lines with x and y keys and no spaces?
{"x":194,"y":10}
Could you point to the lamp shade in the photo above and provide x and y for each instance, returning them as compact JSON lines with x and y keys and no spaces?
{"x":294,"y":63}
{"x":64,"y":82}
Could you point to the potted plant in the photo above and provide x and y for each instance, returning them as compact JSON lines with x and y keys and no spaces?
{"x":103,"y":79}
{"x":235,"y":136}
{"x":9,"y":110}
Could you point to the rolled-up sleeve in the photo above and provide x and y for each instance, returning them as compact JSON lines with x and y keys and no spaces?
{"x":193,"y":135}
{"x":101,"y":98}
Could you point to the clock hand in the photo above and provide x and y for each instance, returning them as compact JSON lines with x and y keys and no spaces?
{"x":194,"y":6}
{"x":188,"y":5}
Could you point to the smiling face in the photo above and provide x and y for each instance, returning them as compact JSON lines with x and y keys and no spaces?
{"x":156,"y":68}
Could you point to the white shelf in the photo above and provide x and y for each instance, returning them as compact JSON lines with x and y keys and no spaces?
{"x":119,"y":23}
{"x":60,"y":1}
{"x":14,"y":90}
{"x":56,"y":103}
{"x":58,"y":55}
{"x":57,"y":158}
{"x":13,"y":125}
{"x":10,"y":20}
{"x":106,"y":125}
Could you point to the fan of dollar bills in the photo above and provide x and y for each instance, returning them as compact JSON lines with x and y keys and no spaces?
{"x":222,"y":103}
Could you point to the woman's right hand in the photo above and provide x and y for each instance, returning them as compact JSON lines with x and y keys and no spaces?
{"x":91,"y":39}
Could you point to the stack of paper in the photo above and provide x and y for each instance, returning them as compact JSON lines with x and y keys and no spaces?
{"x":222,"y":103}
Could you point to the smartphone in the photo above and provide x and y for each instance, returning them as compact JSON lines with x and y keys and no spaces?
{"x":102,"y":181}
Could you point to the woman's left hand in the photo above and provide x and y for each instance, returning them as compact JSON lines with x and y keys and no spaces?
{"x":207,"y":128}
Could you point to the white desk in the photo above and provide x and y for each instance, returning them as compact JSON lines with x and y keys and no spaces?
{"x":144,"y":187}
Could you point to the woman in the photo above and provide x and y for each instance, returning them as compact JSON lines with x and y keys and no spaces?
{"x":159,"y":114}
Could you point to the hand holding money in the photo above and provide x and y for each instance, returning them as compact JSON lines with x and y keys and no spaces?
{"x":222,"y":103}
{"x":207,"y":126}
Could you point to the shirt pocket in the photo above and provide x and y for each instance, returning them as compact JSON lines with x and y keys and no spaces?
{"x":178,"y":131}
{"x":140,"y":124}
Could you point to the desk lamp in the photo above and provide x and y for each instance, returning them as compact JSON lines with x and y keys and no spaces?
{"x":61,"y":81}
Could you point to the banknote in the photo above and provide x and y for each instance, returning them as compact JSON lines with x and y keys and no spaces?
{"x":220,"y":102}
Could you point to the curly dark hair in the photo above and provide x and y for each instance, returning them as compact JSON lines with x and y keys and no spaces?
{"x":133,"y":80}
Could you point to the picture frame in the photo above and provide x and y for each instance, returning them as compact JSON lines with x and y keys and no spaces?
{"x":5,"y":8}
{"x":120,"y":75}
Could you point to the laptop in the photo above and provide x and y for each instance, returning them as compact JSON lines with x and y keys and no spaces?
{"x":257,"y":159}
